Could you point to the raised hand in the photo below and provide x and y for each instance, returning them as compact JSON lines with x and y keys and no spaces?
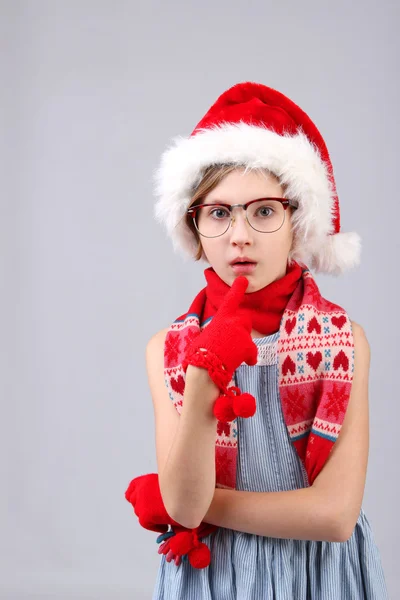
{"x":226,"y":342}
{"x":223,"y":345}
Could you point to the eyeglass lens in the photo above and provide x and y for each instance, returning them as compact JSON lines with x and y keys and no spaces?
{"x":265,"y":216}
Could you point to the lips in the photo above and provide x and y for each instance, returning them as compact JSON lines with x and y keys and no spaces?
{"x":242,"y":260}
{"x":243,"y":268}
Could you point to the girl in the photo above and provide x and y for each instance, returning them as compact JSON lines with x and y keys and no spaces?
{"x":262,"y":453}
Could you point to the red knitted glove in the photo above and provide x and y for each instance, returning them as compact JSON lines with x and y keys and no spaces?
{"x":176,"y":545}
{"x":221,"y":347}
{"x":145,"y":496}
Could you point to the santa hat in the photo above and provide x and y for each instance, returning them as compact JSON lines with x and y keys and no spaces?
{"x":255,"y":126}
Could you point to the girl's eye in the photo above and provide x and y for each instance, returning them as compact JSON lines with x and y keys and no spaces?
{"x":216,"y":212}
{"x":264,"y":211}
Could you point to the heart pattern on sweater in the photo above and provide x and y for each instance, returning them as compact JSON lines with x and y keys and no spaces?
{"x":288,"y":365}
{"x":341,"y":360}
{"x":314,"y":325}
{"x":339,"y":321}
{"x":289,"y":325}
{"x":178,"y":384}
{"x":314,"y":359}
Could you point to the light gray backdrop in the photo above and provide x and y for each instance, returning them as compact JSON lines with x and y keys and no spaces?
{"x":91,"y":93}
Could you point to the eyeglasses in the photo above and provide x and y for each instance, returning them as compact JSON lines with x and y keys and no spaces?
{"x":265,"y":215}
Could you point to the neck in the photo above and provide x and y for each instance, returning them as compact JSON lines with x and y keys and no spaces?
{"x":257,"y":334}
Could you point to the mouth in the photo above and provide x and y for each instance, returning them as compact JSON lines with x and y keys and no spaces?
{"x":242,"y":259}
{"x":244,"y":267}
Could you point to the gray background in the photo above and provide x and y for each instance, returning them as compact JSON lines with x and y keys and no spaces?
{"x":91,"y":93}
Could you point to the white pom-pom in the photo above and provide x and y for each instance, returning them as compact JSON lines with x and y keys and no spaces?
{"x":337,"y":253}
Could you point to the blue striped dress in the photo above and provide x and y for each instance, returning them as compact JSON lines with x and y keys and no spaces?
{"x":252,"y":567}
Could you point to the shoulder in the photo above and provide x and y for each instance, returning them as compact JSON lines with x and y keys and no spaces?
{"x":361,"y":344}
{"x":155,"y":362}
{"x":158,"y":338}
{"x":155,"y":346}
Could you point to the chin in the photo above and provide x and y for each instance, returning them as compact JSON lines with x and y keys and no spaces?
{"x":252,"y":287}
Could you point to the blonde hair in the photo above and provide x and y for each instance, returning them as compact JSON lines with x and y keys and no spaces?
{"x":212,"y":176}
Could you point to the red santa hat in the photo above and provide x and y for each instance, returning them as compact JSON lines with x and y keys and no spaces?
{"x":255,"y":126}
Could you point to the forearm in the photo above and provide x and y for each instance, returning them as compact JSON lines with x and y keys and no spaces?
{"x":296,"y":514}
{"x":187,"y":482}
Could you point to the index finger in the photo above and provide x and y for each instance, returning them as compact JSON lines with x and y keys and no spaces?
{"x":235,"y":295}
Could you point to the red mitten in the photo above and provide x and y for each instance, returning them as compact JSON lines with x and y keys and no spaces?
{"x":176,"y":545}
{"x":221,"y":347}
{"x":145,"y":496}
{"x":226,"y":342}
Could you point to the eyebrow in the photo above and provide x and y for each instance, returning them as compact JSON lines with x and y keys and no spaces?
{"x":217,"y":201}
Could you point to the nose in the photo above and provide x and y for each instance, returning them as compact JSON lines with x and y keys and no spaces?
{"x":239,"y":229}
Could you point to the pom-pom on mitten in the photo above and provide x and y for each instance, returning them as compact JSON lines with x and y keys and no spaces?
{"x":234,"y":404}
{"x":187,"y":543}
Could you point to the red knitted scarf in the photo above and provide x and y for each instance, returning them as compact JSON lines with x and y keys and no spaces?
{"x":266,"y":305}
{"x":315,"y":362}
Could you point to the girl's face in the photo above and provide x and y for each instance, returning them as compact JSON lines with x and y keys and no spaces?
{"x":269,"y":250}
